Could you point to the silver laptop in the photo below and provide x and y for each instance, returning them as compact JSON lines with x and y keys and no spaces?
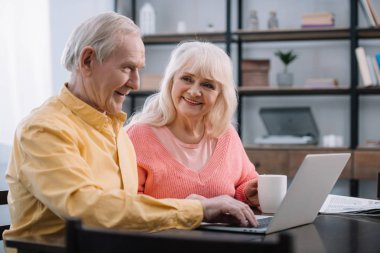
{"x":288,"y":125}
{"x":313,"y":182}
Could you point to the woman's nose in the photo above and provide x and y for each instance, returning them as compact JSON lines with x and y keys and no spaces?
{"x":194,"y":90}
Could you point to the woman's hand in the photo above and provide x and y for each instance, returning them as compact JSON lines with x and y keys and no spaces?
{"x":251,"y":193}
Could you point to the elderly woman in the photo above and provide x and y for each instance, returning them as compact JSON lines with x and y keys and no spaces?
{"x":183,"y":136}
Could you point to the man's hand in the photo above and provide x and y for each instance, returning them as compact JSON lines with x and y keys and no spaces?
{"x":226,"y":209}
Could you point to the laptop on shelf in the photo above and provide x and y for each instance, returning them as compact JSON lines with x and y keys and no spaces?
{"x":314,"y":180}
{"x":289,"y":125}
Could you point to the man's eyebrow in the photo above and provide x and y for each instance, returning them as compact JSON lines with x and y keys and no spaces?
{"x":129,"y":64}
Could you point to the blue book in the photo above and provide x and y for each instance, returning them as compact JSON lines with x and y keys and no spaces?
{"x":377,"y":56}
{"x":371,"y":67}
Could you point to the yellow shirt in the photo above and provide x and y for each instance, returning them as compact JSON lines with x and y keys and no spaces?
{"x":69,"y":159}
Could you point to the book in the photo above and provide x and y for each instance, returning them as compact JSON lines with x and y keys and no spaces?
{"x":376,"y":69}
{"x":318,"y":26}
{"x":373,"y":12}
{"x":367,"y":12}
{"x":377,"y":56}
{"x":255,"y":72}
{"x":371,"y":70}
{"x":336,"y":204}
{"x":363,"y":66}
{"x":321,"y":83}
{"x":376,"y":64}
{"x":318,"y":19}
{"x":151,"y":82}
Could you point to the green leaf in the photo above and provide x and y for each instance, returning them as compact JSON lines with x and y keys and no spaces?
{"x":286,"y":57}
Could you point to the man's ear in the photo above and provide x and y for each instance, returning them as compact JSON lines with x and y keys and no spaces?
{"x":87,"y":58}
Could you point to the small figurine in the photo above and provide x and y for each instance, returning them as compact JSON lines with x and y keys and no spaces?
{"x":272,"y":21}
{"x":253,"y":20}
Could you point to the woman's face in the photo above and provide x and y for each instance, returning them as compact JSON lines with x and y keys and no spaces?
{"x":193,"y":96}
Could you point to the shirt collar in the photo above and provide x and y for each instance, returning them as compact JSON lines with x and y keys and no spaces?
{"x":88,"y":113}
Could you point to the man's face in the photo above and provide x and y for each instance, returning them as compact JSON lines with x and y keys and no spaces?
{"x":117,"y":75}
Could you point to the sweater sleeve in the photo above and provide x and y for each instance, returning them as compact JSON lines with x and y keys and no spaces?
{"x":248,"y":170}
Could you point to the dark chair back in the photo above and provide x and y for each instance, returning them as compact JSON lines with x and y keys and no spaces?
{"x":81,"y":239}
{"x":3,"y":201}
{"x":378,"y":185}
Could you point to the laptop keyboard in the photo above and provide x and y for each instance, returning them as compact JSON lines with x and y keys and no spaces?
{"x":264,"y":222}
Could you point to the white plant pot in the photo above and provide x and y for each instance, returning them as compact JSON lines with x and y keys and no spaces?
{"x":285,"y":79}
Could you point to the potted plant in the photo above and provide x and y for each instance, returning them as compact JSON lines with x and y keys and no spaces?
{"x":285,"y":78}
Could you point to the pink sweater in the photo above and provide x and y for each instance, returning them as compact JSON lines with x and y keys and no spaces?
{"x":226,"y":173}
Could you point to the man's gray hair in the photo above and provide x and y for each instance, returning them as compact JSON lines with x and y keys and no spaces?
{"x":100,"y":32}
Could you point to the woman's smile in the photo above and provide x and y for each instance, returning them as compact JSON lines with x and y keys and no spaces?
{"x":192,"y":102}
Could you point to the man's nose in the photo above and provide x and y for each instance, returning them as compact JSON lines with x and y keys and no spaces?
{"x":134,"y":80}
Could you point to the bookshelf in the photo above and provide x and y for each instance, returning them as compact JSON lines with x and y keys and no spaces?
{"x":235,"y":38}
{"x":293,"y":34}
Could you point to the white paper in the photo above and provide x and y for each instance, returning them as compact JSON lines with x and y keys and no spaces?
{"x":342,"y":204}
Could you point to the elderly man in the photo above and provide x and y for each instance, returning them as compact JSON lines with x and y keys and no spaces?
{"x":71,"y":157}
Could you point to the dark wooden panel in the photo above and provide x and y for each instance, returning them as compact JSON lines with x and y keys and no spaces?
{"x":287,"y":159}
{"x":366,"y":164}
{"x":296,"y":157}
{"x":269,"y":161}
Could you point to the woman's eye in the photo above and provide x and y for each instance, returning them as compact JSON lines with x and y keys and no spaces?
{"x":209,"y":86}
{"x":186,"y":79}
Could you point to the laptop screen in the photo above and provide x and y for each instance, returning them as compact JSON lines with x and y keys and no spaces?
{"x":295,"y":121}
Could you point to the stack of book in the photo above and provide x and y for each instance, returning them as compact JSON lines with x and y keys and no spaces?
{"x":151,"y":82}
{"x":369,"y":67}
{"x":318,"y":20}
{"x":370,"y":12}
{"x":255,"y":72}
{"x":321,"y":83}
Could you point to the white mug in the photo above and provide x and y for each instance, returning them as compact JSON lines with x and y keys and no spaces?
{"x":271,"y":190}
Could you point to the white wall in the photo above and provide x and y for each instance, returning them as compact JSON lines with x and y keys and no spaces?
{"x":25,"y":80}
{"x":65,"y":16}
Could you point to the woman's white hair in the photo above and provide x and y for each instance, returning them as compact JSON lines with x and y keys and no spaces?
{"x":203,"y":59}
{"x":100,"y":32}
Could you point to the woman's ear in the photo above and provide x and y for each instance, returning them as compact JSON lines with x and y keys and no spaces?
{"x":87,"y":58}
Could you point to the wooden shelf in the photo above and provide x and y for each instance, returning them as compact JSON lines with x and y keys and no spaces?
{"x":294,"y":34}
{"x":368,"y":33}
{"x":274,"y":91}
{"x":369,"y":148}
{"x":373,"y":90}
{"x":175,"y":38}
{"x":296,"y":147}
